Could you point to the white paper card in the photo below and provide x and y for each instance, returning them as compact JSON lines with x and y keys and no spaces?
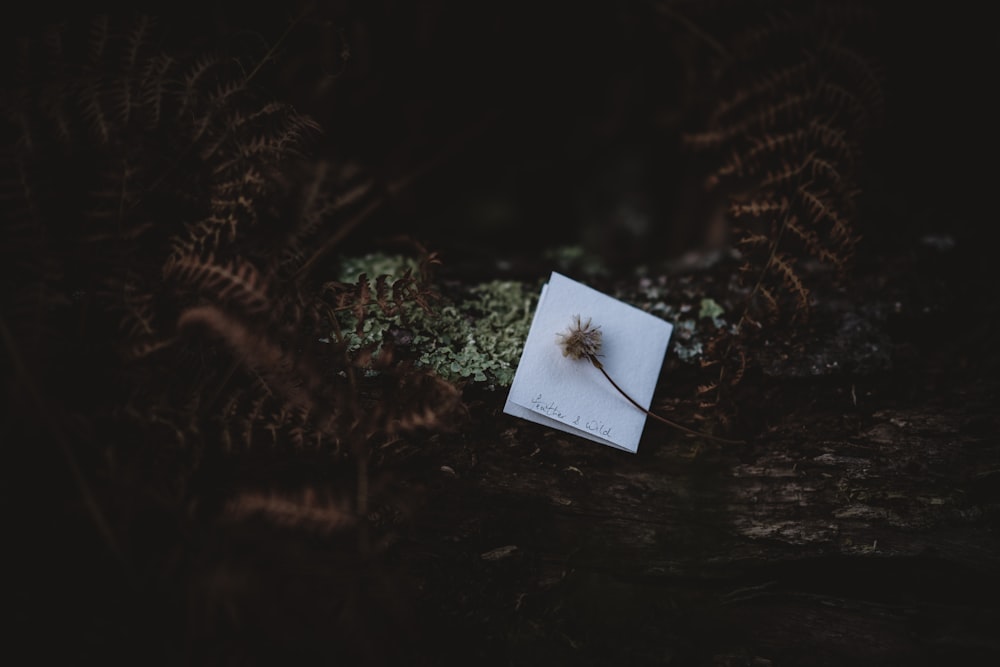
{"x":572,"y":395}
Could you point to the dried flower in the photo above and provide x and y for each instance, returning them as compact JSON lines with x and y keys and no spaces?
{"x":581,"y":340}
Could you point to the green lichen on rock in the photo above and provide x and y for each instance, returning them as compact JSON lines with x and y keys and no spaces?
{"x":476,"y":336}
{"x":710,"y":308}
{"x":480,"y":337}
{"x":680,"y":300}
{"x":685,"y":343}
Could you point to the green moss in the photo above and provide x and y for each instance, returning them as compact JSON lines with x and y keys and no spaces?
{"x":477,"y":337}
{"x":685,"y":343}
{"x":710,"y":308}
{"x":480,"y":338}
{"x":696,"y":319}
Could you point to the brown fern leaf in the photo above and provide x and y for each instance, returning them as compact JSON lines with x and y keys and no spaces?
{"x":766,"y":86}
{"x":767,"y":117}
{"x":816,"y":247}
{"x":251,"y":181}
{"x":771,"y":303}
{"x":833,"y":141}
{"x":284,"y":374}
{"x":757,"y":208}
{"x":275,"y":147}
{"x":390,"y":300}
{"x":237,"y":282}
{"x":784,"y":265}
{"x":125,"y":92}
{"x":100,"y":35}
{"x":744,"y":163}
{"x":305,"y":510}
{"x":840,"y":100}
{"x":749,"y":239}
{"x":784,"y":173}
{"x":407,"y":290}
{"x":92,"y":94}
{"x":238,"y":206}
{"x":150,"y":207}
{"x":419,"y":400}
{"x":205,"y":236}
{"x":327,"y":193}
{"x":863,"y":70}
{"x":138,"y":322}
{"x":382,"y":293}
{"x":153,"y":87}
{"x":361,"y":300}
{"x":261,"y":419}
{"x":795,"y":96}
{"x":706,"y":388}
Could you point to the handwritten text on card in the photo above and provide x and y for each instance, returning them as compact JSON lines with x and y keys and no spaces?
{"x":550,"y":409}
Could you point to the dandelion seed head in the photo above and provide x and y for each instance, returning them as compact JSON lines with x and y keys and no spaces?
{"x":581,"y":340}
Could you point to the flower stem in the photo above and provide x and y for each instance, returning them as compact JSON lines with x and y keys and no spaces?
{"x":599,"y":366}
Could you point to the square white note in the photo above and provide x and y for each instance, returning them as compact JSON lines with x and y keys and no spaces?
{"x":573,"y":395}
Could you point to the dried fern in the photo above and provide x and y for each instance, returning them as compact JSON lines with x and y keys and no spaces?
{"x":784,"y":124}
{"x":305,"y":510}
{"x":152,"y":202}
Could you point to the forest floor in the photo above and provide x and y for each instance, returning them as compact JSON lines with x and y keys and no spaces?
{"x":858,"y":524}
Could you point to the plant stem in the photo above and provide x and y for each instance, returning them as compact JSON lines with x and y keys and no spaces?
{"x":599,"y":366}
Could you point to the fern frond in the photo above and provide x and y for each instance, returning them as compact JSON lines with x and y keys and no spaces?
{"x":834,"y":141}
{"x":100,"y":34}
{"x":362,"y":298}
{"x":250,"y":180}
{"x":752,"y":160}
{"x":786,"y":173}
{"x":93,"y":110}
{"x":419,"y":400}
{"x":304,"y":510}
{"x":325,"y":196}
{"x":771,"y":303}
{"x":127,"y":80}
{"x":784,"y":265}
{"x":258,"y":351}
{"x":53,"y":40}
{"x":59,"y":117}
{"x":237,"y":282}
{"x":764,"y":118}
{"x":793,"y":100}
{"x":823,"y":168}
{"x":862,"y":70}
{"x":814,"y":245}
{"x":153,"y":86}
{"x":138,"y":305}
{"x":191,"y":89}
{"x":840,"y":99}
{"x":754,"y":240}
{"x":137,"y":39}
{"x":758,"y":207}
{"x":770,"y":83}
{"x":821,"y":207}
{"x":205,"y":236}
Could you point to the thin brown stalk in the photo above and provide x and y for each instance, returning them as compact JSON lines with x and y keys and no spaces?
{"x":599,"y":366}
